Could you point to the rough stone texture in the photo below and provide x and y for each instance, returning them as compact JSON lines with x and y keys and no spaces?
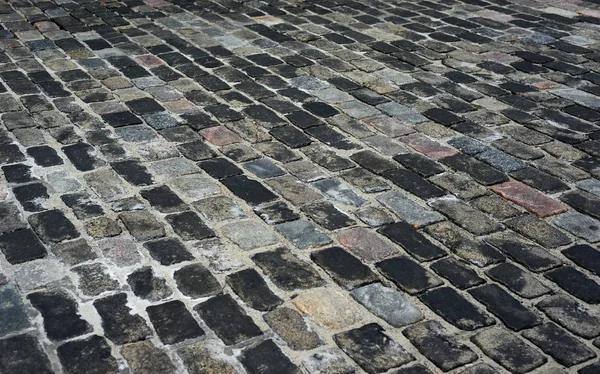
{"x":239,"y":186}
{"x":292,"y":328}
{"x":315,"y":305}
{"x":388,"y":304}
{"x":144,"y":357}
{"x":372,"y":349}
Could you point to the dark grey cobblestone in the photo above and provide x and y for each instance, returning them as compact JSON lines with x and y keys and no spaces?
{"x":287,"y":186}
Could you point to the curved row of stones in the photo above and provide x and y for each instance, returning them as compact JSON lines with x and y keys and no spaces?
{"x":294,"y":186}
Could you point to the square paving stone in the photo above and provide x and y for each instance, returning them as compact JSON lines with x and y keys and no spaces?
{"x":327,"y":215}
{"x":263,"y":168}
{"x":508,"y":350}
{"x":173,"y":322}
{"x":276,"y":212}
{"x":366,"y":244}
{"x":251,"y":191}
{"x":408,"y":209}
{"x":82,"y":156}
{"x":455,"y":309}
{"x":32,"y":196}
{"x":145,"y":357}
{"x":316,"y":305}
{"x":145,"y":285}
{"x":373,"y":216}
{"x":415,"y":243}
{"x":52,"y":226}
{"x":118,"y":322}
{"x":199,"y":357}
{"x":10,"y":218}
{"x":287,"y":271}
{"x":189,"y":226}
{"x":267,"y":357}
{"x":345,"y":269}
{"x":74,"y":252}
{"x":572,"y":315}
{"x":196,"y":281}
{"x":517,"y":280}
{"x":219,"y":168}
{"x":500,"y":303}
{"x":142,"y":225}
{"x":438,"y":346}
{"x":372,"y":349}
{"x":12,"y":312}
{"x":253,"y":290}
{"x":194,"y":186}
{"x":458,"y":273}
{"x":291,"y":327}
{"x":250,"y":235}
{"x":585,"y":256}
{"x":44,"y":156}
{"x":168,"y":251}
{"x":303,"y":234}
{"x":328,"y":361}
{"x":219,"y":208}
{"x":293,"y":190}
{"x":339,"y":192}
{"x":23,"y":353}
{"x":106,"y":184}
{"x":559,"y":344}
{"x":87,"y":355}
{"x":388,"y":304}
{"x":576,"y":283}
{"x":60,"y":313}
{"x":163,"y":199}
{"x":227,"y":319}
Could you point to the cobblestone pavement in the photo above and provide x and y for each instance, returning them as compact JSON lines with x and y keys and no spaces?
{"x":287,"y":186}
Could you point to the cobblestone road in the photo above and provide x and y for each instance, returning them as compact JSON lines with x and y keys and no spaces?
{"x":333,"y":186}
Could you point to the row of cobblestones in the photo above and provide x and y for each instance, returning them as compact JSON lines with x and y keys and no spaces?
{"x":289,"y":186}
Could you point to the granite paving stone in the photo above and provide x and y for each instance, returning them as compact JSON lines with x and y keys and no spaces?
{"x":299,"y":186}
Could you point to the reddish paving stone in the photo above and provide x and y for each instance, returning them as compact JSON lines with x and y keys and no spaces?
{"x":389,"y":126}
{"x":366,"y":244}
{"x":546,"y":85}
{"x":529,"y":198}
{"x":220,"y":136}
{"x":150,"y":60}
{"x":45,"y":26}
{"x":494,"y":15}
{"x":428,"y":147}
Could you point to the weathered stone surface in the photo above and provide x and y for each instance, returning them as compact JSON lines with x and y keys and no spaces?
{"x":408,"y":209}
{"x":199,"y":360}
{"x":144,"y":357}
{"x":508,"y":350}
{"x":328,"y":361}
{"x":23,"y":353}
{"x":227,"y":319}
{"x":250,"y":235}
{"x":12,"y":311}
{"x":119,"y":324}
{"x":173,"y":322}
{"x":303,"y":234}
{"x":287,"y":271}
{"x":91,"y":355}
{"x":529,"y":198}
{"x":292,"y":328}
{"x":391,"y":151}
{"x":445,"y":352}
{"x":316,"y":305}
{"x":372,"y":349}
{"x":388,"y":304}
